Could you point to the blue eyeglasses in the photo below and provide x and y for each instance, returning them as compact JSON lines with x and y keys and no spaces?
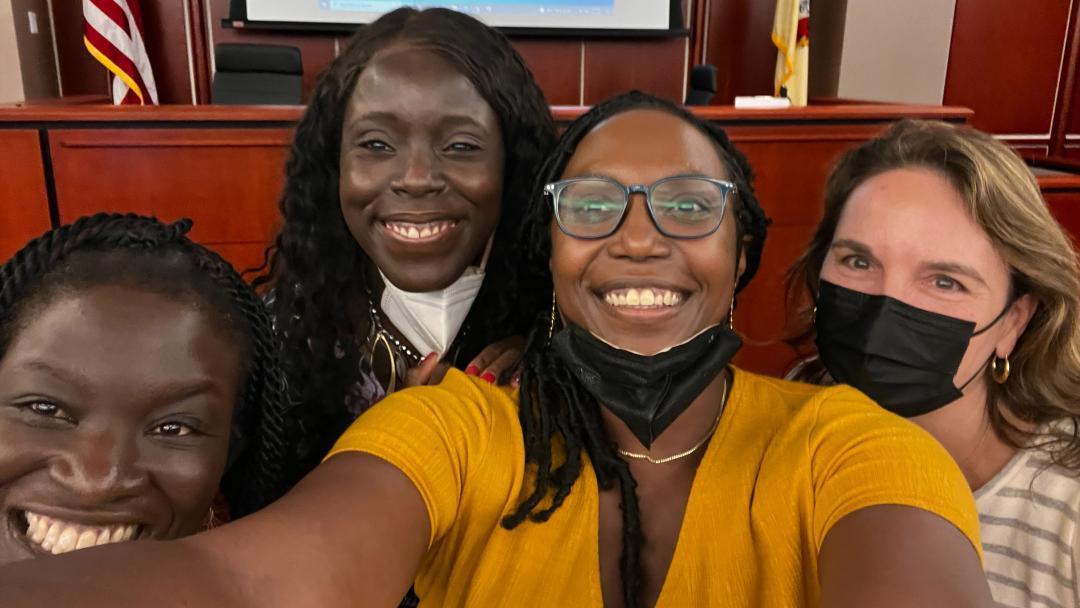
{"x":683,"y":207}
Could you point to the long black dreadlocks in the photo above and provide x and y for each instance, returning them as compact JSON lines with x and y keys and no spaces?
{"x":145,"y":254}
{"x":316,"y":269}
{"x":554,"y":406}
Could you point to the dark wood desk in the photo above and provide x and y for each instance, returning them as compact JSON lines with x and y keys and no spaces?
{"x":1059,"y":180}
{"x":223,"y":167}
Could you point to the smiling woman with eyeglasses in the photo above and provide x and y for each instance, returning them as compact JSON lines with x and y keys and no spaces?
{"x":635,"y":466}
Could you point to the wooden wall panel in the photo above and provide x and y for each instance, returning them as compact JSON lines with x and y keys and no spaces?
{"x":1060,"y":185}
{"x":1029,"y":148}
{"x":316,"y":49}
{"x":1065,"y":206}
{"x":790,"y":166}
{"x":556,"y":65}
{"x":1004,"y":62}
{"x":656,"y":66}
{"x":80,"y":74}
{"x":166,"y":43}
{"x":738,"y":43}
{"x":226,"y":180}
{"x":24,"y":202}
{"x":1073,"y":128}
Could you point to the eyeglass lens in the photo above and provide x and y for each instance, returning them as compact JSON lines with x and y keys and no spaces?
{"x":685,"y":207}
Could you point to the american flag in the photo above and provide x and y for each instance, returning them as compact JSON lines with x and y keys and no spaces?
{"x":113,"y":34}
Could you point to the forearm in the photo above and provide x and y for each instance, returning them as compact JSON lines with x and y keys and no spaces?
{"x":351,"y":534}
{"x":148,"y":573}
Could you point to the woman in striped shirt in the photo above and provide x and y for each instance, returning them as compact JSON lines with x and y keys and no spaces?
{"x":941,"y":287}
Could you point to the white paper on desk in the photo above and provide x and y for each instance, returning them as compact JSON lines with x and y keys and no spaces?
{"x":767,"y":102}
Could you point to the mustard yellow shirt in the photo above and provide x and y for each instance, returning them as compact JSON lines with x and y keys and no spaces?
{"x":786,"y":463}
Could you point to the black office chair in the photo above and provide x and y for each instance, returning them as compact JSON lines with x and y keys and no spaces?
{"x":702,"y":85}
{"x":257,"y":74}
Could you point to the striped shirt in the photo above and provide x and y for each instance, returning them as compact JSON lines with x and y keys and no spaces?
{"x":1028,"y":514}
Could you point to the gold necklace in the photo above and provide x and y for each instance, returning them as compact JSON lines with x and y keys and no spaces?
{"x":684,"y":453}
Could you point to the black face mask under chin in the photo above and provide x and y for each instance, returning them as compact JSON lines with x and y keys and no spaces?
{"x":902,"y":357}
{"x":646,"y":392}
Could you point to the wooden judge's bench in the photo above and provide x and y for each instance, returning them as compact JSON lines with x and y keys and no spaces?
{"x":223,"y":167}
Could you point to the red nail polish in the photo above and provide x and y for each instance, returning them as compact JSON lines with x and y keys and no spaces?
{"x":488,"y":377}
{"x":472,"y":370}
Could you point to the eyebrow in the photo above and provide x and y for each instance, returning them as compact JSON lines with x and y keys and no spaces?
{"x":856,"y":246}
{"x":603,"y":175}
{"x":953,"y":267}
{"x":932,"y":265}
{"x":64,"y":375}
{"x":175,"y":392}
{"x":384,"y":116}
{"x":172,"y":392}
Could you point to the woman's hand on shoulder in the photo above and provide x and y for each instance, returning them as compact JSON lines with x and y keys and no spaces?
{"x":490,"y":364}
{"x":497,"y":358}
{"x":892,"y":556}
{"x":430,"y":371}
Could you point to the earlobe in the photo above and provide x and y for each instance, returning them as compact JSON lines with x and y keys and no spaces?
{"x":741,"y":264}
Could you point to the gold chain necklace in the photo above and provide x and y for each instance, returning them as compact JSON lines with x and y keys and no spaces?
{"x":685,"y":453}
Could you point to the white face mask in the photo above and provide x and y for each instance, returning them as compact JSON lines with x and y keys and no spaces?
{"x":431,"y":320}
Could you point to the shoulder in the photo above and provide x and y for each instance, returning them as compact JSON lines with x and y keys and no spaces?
{"x":749,"y":384}
{"x":463,"y":410}
{"x":440,"y":437}
{"x":817,"y":424}
{"x":798,"y":402}
{"x":828,"y":420}
{"x":1033,"y":480}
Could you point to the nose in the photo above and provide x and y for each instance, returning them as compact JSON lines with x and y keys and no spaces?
{"x":891,"y":284}
{"x":101,"y":468}
{"x":421,"y":173}
{"x":638,"y":238}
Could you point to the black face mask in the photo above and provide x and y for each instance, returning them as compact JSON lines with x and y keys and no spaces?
{"x":902,"y":357}
{"x":646,"y":392}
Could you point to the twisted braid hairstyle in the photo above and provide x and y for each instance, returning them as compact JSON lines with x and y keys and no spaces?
{"x":556,"y":411}
{"x":316,"y":269}
{"x":142,"y":253}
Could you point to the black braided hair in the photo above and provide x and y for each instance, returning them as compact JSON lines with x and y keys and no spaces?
{"x":554,"y":407}
{"x":142,"y":253}
{"x":316,"y":269}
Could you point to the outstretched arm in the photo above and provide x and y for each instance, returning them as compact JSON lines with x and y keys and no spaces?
{"x":350,"y":534}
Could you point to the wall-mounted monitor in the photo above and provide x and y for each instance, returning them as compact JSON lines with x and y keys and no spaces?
{"x":522,"y":17}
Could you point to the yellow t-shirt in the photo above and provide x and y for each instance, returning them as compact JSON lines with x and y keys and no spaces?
{"x":786,"y":463}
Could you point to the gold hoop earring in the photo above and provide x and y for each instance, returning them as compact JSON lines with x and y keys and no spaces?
{"x":211,"y":519}
{"x":813,"y":316}
{"x":551,"y":328}
{"x":1000,"y":371}
{"x":731,"y":314}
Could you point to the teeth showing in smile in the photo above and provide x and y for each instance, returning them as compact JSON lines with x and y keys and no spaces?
{"x":413,"y":231}
{"x":58,"y":536}
{"x":644,"y":297}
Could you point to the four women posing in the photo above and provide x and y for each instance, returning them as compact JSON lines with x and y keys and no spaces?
{"x":634,"y":466}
